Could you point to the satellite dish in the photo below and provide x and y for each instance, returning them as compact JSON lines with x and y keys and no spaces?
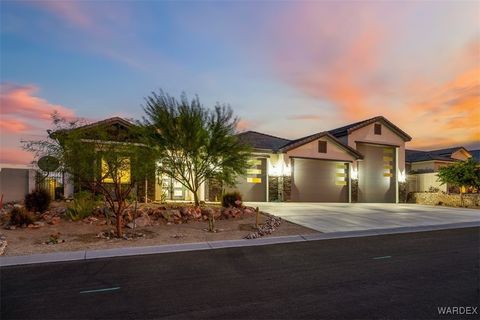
{"x":48,"y":163}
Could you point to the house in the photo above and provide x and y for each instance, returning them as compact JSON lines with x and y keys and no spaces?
{"x":475,"y":154}
{"x":363,"y":161}
{"x":430,"y":161}
{"x":422,"y":167}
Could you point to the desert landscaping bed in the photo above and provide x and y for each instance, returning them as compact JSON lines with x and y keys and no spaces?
{"x":157,"y":225}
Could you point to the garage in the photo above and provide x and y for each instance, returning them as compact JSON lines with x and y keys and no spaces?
{"x":315,"y":180}
{"x":377,"y":173}
{"x":253,"y":186}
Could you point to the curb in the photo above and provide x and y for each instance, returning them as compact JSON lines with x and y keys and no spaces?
{"x":212,"y":245}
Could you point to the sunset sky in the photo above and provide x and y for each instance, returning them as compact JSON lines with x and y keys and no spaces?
{"x":286,"y":68}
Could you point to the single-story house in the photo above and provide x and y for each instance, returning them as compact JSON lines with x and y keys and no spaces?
{"x":430,"y":161}
{"x":422,"y":167}
{"x":16,"y":180}
{"x":363,"y":161}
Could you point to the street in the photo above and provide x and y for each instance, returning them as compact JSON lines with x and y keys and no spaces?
{"x":391,"y":276}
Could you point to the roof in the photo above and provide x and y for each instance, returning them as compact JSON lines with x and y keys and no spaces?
{"x":262,"y":141}
{"x":447,"y":151}
{"x":345,"y":130}
{"x":299,"y":142}
{"x":475,"y":154}
{"x":418,"y":156}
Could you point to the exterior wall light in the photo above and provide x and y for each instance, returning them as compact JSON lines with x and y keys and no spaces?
{"x":402,"y":176}
{"x":354,"y":174}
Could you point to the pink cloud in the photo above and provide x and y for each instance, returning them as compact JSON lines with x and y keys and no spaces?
{"x":23,"y":113}
{"x":15,"y":156}
{"x":20,"y":101}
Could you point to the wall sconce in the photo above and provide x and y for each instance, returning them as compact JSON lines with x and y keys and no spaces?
{"x":354,"y":174}
{"x":402,"y":176}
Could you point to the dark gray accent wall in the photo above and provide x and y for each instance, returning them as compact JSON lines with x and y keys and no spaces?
{"x":253,"y":191}
{"x":373,"y":184}
{"x":317,"y":181}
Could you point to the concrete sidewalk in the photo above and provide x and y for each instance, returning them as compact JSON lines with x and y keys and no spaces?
{"x":131,"y":251}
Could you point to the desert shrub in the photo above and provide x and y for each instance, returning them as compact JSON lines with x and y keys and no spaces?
{"x":83,"y":205}
{"x":20,"y":216}
{"x":232,"y":199}
{"x":38,"y":200}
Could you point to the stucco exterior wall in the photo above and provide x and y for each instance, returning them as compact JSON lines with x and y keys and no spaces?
{"x":310,"y":150}
{"x":425,"y":165}
{"x":366,"y":134}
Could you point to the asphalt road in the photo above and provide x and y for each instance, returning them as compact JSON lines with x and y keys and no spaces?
{"x":395,"y":276}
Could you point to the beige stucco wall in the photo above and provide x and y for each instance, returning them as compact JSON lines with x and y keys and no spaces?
{"x":310,"y":150}
{"x":422,"y":182}
{"x":460,"y":155}
{"x":366,"y":134}
{"x":424,"y":165}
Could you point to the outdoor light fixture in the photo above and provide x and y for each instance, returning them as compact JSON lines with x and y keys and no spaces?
{"x":354,"y":174}
{"x":401,"y":176}
{"x":280,"y":169}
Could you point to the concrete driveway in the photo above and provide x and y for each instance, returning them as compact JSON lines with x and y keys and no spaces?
{"x":334,"y":217}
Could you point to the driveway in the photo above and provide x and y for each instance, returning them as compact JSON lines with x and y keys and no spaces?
{"x":333,"y":217}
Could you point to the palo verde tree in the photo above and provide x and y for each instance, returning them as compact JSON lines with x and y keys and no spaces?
{"x":461,"y":174}
{"x":104,"y":158}
{"x":194,"y":144}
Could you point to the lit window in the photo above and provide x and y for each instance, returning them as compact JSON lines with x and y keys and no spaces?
{"x":322,"y":146}
{"x":378,"y":128}
{"x":122,"y":172}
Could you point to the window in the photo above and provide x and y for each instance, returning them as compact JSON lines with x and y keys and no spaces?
{"x":322,"y":146}
{"x":378,"y":128}
{"x":119,"y":173}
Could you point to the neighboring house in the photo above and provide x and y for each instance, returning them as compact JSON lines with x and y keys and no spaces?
{"x":475,"y":154}
{"x":322,"y":166}
{"x":430,"y":161}
{"x":422,"y":167}
{"x":16,"y":181}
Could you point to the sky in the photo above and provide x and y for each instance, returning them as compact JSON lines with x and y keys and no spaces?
{"x":287,"y":68}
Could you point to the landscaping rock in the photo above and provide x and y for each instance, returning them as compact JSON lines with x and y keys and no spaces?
{"x":3,"y":246}
{"x":142,"y":221}
{"x":54,"y":221}
{"x":39,"y":223}
{"x":271,"y":223}
{"x":171,"y":215}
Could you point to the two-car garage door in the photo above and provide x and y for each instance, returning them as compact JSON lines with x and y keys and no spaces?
{"x":319,"y":180}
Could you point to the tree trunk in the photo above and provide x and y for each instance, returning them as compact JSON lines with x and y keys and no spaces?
{"x":461,"y":197}
{"x":119,"y":219}
{"x":195,"y":198}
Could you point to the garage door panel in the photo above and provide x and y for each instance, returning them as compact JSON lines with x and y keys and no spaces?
{"x":319,"y":180}
{"x":377,"y":174}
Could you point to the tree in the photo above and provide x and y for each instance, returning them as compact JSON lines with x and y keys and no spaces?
{"x":105,"y":159}
{"x":194,"y":144}
{"x":461,"y":174}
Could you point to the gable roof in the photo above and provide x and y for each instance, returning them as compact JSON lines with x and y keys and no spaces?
{"x":300,"y":142}
{"x":418,"y":156}
{"x":448,"y":151}
{"x":345,"y":130}
{"x":262,"y":141}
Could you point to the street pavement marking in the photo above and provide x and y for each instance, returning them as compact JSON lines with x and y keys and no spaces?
{"x":100,"y":290}
{"x":382,"y":257}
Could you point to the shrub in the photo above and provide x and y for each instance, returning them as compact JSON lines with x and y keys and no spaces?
{"x":38,"y":201}
{"x":20,"y":216}
{"x":83,"y":204}
{"x":232,"y":199}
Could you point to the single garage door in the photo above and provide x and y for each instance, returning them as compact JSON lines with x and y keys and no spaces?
{"x":377,"y":174}
{"x":253,"y":186}
{"x":319,"y":180}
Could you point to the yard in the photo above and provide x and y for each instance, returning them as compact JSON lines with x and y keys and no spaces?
{"x":157,"y":224}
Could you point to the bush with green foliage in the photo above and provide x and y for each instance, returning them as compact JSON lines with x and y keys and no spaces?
{"x":83,"y":205}
{"x":232,"y":199}
{"x":38,"y":200}
{"x":20,"y":216}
